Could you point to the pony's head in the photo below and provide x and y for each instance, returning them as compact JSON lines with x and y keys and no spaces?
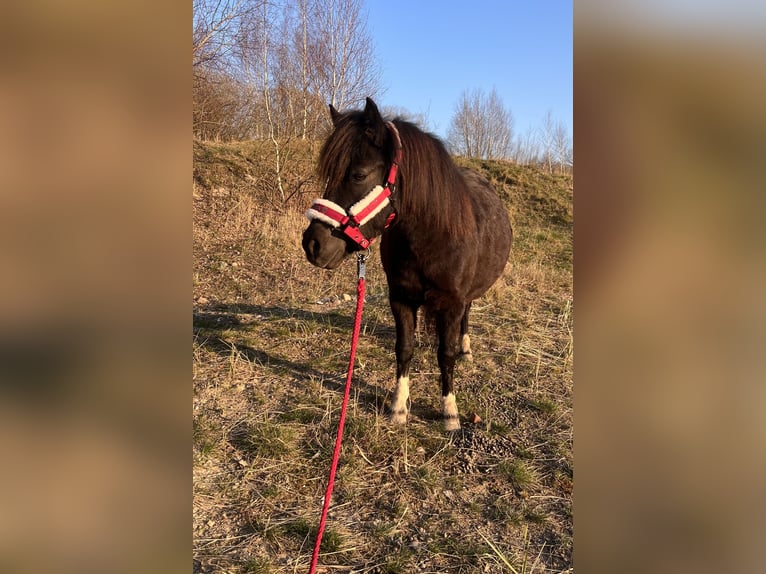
{"x":357,"y":164}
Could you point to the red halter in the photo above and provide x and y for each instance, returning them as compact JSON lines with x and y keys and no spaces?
{"x":366,"y":208}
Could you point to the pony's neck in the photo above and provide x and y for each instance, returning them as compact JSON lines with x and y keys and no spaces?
{"x":433,"y":194}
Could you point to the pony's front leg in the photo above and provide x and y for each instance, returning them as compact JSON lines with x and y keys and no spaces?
{"x":405,"y":316}
{"x":449,"y":327}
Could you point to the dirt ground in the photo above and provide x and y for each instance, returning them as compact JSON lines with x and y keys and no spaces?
{"x":270,"y":350}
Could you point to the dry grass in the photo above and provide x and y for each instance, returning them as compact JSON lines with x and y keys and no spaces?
{"x":271,"y":336}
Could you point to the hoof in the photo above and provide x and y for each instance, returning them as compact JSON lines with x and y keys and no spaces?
{"x":399,"y":418}
{"x":468,"y":357}
{"x":452,"y":424}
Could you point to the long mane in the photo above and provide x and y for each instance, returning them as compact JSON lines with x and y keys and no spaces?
{"x":432,"y":189}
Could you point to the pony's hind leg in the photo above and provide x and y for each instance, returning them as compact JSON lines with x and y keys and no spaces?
{"x":449,"y":326}
{"x":465,"y":339}
{"x":405,"y":316}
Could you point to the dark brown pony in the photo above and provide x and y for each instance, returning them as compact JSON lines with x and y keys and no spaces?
{"x":448,"y":242}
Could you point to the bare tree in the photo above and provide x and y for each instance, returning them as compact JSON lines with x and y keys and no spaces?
{"x":255,"y":51}
{"x":547,"y":134}
{"x":525,"y":149}
{"x":216,"y":93}
{"x":555,"y":144}
{"x":302,"y":43}
{"x":481,"y":127}
{"x":562,"y":147}
{"x":218,"y":111}
{"x":419,"y":118}
{"x":297,"y":68}
{"x":345,"y":69}
{"x":266,"y":69}
{"x":214,"y":23}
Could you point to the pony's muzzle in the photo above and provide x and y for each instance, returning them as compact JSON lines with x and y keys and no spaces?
{"x":322,"y":248}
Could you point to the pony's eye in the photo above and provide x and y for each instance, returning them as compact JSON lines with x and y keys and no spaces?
{"x":358,"y":176}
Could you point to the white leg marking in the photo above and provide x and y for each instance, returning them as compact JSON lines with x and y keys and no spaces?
{"x":451,"y":418}
{"x":465,"y":348}
{"x":399,"y":404}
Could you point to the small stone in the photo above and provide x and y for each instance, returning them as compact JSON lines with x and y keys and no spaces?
{"x":346,"y":297}
{"x":203,"y":300}
{"x":474,"y":418}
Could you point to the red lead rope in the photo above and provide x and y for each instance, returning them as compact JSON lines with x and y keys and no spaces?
{"x":360,"y":287}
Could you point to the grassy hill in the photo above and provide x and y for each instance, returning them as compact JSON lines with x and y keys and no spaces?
{"x":270,"y":349}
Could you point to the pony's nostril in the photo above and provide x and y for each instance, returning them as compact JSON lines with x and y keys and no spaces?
{"x":312,"y":248}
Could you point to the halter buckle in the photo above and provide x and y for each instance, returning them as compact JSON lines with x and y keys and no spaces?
{"x":361,"y":260}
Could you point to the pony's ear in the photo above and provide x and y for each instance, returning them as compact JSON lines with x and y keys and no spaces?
{"x":376,"y":128}
{"x":371,"y":113}
{"x":335,"y":115}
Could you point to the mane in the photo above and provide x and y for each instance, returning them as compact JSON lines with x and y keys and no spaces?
{"x":340,"y":149}
{"x":431,"y":187}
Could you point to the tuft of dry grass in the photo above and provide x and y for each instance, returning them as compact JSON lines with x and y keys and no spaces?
{"x":270,"y":349}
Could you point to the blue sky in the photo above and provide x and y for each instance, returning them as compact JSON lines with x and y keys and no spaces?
{"x":430,"y":51}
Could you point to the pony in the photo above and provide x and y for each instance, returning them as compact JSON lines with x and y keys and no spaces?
{"x":445,"y":234}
